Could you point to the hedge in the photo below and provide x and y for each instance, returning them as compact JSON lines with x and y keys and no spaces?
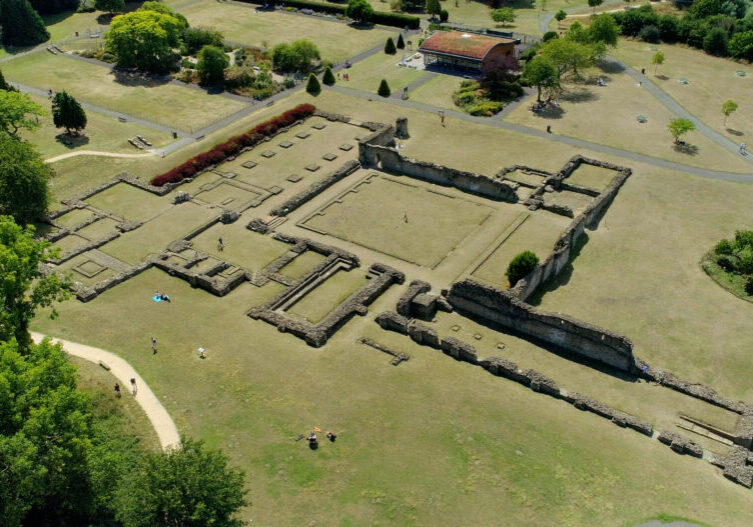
{"x":233,"y":146}
{"x":380,"y":17}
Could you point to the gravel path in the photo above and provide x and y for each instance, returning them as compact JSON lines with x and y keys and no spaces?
{"x":124,"y":372}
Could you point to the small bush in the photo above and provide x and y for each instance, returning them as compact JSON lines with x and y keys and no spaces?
{"x":725,"y":262}
{"x":312,"y":86}
{"x":289,"y":82}
{"x":444,"y":15}
{"x":389,"y":47}
{"x":485,"y":108}
{"x":749,"y":286}
{"x":400,"y":42}
{"x":186,"y":63}
{"x":649,"y":34}
{"x":521,"y":266}
{"x":549,"y":35}
{"x":463,"y":98}
{"x":723,"y":247}
{"x":384,"y":89}
{"x":328,"y":78}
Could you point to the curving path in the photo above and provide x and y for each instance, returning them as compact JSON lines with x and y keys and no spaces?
{"x":94,"y":153}
{"x":123,"y":372}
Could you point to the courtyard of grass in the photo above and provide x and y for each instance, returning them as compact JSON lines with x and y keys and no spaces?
{"x":156,"y":101}
{"x":367,"y":74}
{"x":103,"y":133}
{"x":242,"y":24}
{"x":711,"y":81}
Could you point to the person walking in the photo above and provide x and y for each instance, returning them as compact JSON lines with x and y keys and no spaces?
{"x":220,"y":245}
{"x":441,"y":118}
{"x":154,"y":346}
{"x":116,"y":389}
{"x":133,"y":386}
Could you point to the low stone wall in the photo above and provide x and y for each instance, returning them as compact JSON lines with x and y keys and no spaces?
{"x":317,"y":247}
{"x":389,"y":159}
{"x":735,"y":466}
{"x":575,"y":336}
{"x":416,"y":287}
{"x":383,"y":135}
{"x":680,"y":444}
{"x":316,"y":188}
{"x":209,"y":280}
{"x":86,"y":293}
{"x":699,"y":391}
{"x":398,"y":355}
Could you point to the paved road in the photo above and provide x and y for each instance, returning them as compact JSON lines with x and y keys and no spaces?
{"x":579,"y":143}
{"x":124,"y":372}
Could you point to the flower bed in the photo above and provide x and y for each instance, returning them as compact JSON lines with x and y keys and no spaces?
{"x":233,"y":146}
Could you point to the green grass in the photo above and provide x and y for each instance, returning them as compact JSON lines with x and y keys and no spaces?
{"x":98,"y":229}
{"x":302,"y":264}
{"x":591,"y":176}
{"x":103,"y":133}
{"x":334,"y":291}
{"x":373,"y":215}
{"x":242,"y":24}
{"x":156,"y":101}
{"x":367,"y":74}
{"x":734,"y":283}
{"x":491,"y":449}
{"x":75,"y":217}
{"x":243,"y":247}
{"x":437,"y":92}
{"x":130,"y":202}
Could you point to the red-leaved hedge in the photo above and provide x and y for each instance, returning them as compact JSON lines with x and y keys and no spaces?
{"x":233,"y":146}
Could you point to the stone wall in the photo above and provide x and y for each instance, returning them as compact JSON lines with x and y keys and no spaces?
{"x":316,"y":188}
{"x":575,"y":336}
{"x":389,"y":159}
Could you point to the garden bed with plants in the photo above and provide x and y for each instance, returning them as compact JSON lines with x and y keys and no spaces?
{"x":730,"y":264}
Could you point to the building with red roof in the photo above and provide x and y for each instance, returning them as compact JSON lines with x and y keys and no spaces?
{"x":467,"y":51}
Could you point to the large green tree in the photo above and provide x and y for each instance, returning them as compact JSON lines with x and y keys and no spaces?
{"x":433,"y":7}
{"x":211,"y":65}
{"x":679,"y":127}
{"x":540,"y":72}
{"x":67,"y":113}
{"x":46,"y":7}
{"x":295,"y":57}
{"x":21,"y":25}
{"x":23,"y":288}
{"x":567,"y":55}
{"x":189,"y":486}
{"x":18,"y":112}
{"x":110,"y":6}
{"x":144,"y":39}
{"x":603,"y":28}
{"x":359,"y":10}
{"x":4,"y":86}
{"x":44,"y":431}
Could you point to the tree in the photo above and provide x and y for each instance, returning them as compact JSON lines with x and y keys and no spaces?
{"x":604,"y":29}
{"x":728,"y":108}
{"x":389,"y":47}
{"x":195,"y":38}
{"x":312,"y":86}
{"x":741,"y":45}
{"x":594,"y":3}
{"x":520,"y":266}
{"x":560,"y":15}
{"x":211,"y":65}
{"x":400,"y":41}
{"x":504,"y":15}
{"x":384,"y":89}
{"x":540,"y":72}
{"x":45,"y":431}
{"x":567,"y":55}
{"x":433,"y":7}
{"x":188,"y":486}
{"x":21,"y":25}
{"x":159,"y":7}
{"x":679,"y":127}
{"x":4,"y":86}
{"x":46,"y":7}
{"x":444,"y":15}
{"x":144,"y":40}
{"x":18,"y":112}
{"x":67,"y":113}
{"x":328,"y":78}
{"x":295,"y":57}
{"x":359,"y":10}
{"x":23,"y":288}
{"x":715,"y":42}
{"x":110,"y":6}
{"x":657,"y":60}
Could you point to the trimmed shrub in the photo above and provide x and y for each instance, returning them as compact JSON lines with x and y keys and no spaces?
{"x":400,"y":42}
{"x":312,"y":86}
{"x":485,"y":108}
{"x":233,"y":146}
{"x":328,"y":78}
{"x":521,"y":266}
{"x":389,"y":47}
{"x":723,"y":247}
{"x":749,"y":286}
{"x":649,"y":34}
{"x":384,"y":89}
{"x":549,"y":35}
{"x":444,"y":15}
{"x":715,"y":42}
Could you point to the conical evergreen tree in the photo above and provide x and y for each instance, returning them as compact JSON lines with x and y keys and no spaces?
{"x":22,"y":26}
{"x":328,"y":78}
{"x":389,"y":47}
{"x":312,"y":86}
{"x":384,"y":89}
{"x":67,"y":113}
{"x":400,"y":42}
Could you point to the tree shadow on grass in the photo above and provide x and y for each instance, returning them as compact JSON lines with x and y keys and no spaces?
{"x":563,"y":278}
{"x":133,"y":78}
{"x":580,"y":95}
{"x":662,"y":77}
{"x":686,"y":148}
{"x":738,"y":133}
{"x":72,"y":141}
{"x":550,"y":112}
{"x":608,"y":66}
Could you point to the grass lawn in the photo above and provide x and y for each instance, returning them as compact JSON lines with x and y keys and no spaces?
{"x":242,"y":24}
{"x":712,"y":80}
{"x":167,"y":104}
{"x":103,"y":133}
{"x":590,"y":176}
{"x":154,"y":236}
{"x":491,"y":449}
{"x":130,"y":202}
{"x":243,"y":247}
{"x":367,"y":74}
{"x":639,"y":274}
{"x":732,"y":282}
{"x":437,"y":92}
{"x":321,"y":301}
{"x":582,"y":115}
{"x":302,"y":264}
{"x":373,"y":214}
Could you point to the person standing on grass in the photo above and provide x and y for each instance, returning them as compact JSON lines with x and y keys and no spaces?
{"x":441,"y":118}
{"x":220,"y":245}
{"x":116,"y":389}
{"x":133,"y":386}
{"x":154,"y":346}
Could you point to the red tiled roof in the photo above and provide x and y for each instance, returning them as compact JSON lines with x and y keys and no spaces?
{"x":469,"y":45}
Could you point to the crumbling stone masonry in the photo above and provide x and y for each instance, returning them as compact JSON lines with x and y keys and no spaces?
{"x":398,"y":355}
{"x":316,"y":188}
